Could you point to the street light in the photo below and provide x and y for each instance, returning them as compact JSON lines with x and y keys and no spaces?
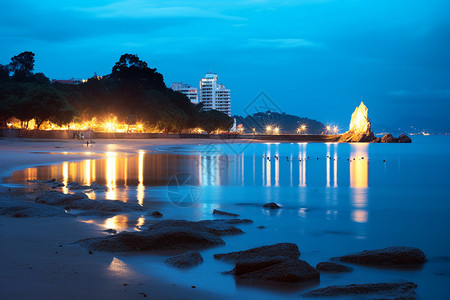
{"x":268,"y":129}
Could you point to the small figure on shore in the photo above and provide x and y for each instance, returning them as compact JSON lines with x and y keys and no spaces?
{"x":276,"y":157}
{"x":287,"y":158}
{"x":87,"y":144}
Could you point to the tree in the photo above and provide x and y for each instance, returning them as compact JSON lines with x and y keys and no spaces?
{"x":214,"y":120}
{"x":46,"y":103}
{"x":128,"y":61}
{"x":22,"y":65}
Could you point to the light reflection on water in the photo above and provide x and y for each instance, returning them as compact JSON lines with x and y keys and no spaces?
{"x":334,"y":205}
{"x":268,"y":165}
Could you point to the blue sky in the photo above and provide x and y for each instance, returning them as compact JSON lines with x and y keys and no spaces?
{"x":314,"y":58}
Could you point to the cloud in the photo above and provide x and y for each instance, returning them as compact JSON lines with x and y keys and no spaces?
{"x":146,"y":9}
{"x":280,"y":43}
{"x":421,"y":96}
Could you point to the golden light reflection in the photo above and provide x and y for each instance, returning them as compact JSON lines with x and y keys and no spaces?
{"x":87,"y":172}
{"x":111,"y":161}
{"x":119,"y":223}
{"x":360,"y":216}
{"x":359,"y":167}
{"x":65,"y":174}
{"x":140,"y":222}
{"x":141,"y":187}
{"x":302,"y":164}
{"x":119,"y":268}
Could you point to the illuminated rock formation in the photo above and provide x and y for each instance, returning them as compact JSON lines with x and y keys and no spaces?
{"x":359,"y":127}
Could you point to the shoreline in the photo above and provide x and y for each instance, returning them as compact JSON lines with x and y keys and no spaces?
{"x":40,"y":250}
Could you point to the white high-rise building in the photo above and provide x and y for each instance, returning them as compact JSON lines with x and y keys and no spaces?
{"x":189,"y":91}
{"x":214,"y":95}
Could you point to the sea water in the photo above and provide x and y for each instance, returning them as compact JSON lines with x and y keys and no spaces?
{"x":335,"y":199}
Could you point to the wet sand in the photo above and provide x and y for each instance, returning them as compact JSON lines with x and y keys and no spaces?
{"x":39,"y":257}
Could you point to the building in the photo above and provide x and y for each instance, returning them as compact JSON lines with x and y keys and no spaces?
{"x":69,"y":81}
{"x":189,"y":91}
{"x":214,"y":95}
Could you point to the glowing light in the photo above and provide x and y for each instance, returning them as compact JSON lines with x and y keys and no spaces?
{"x":276,"y":130}
{"x":360,"y":122}
{"x":268,"y":128}
{"x":336,"y":129}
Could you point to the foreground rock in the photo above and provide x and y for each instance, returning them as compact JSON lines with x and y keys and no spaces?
{"x":224,"y":213}
{"x":32,"y":210}
{"x":403,"y":138}
{"x":165,"y":235}
{"x":53,"y":183}
{"x":386,"y":256}
{"x":271,"y":205}
{"x":402,"y":291}
{"x":291,"y":270}
{"x":388,"y":138}
{"x":281,"y":250}
{"x":81,"y":201}
{"x":276,"y":263}
{"x":332,"y":267}
{"x":186,"y":260}
{"x":360,"y":130}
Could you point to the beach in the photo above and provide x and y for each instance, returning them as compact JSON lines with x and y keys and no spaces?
{"x":40,"y":260}
{"x":335,"y":199}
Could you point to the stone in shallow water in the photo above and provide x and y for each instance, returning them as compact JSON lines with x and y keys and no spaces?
{"x":224,"y":213}
{"x":81,"y":201}
{"x":386,"y":256}
{"x":404,"y":291}
{"x":271,"y":205}
{"x":186,"y":260}
{"x":284,"y":250}
{"x":165,"y":235}
{"x":332,"y":267}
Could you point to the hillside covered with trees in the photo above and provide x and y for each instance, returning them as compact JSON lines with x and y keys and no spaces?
{"x":132,"y":93}
{"x":287,"y":124}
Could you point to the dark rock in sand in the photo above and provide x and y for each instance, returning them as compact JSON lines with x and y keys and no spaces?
{"x":332,"y":267}
{"x":76,"y":186}
{"x":403,"y":138}
{"x":224,"y":213}
{"x":112,"y":231}
{"x":291,"y":270}
{"x":261,"y":227}
{"x":376,"y":140}
{"x":165,"y":235}
{"x":156,"y":214}
{"x":186,"y":260}
{"x":97,"y":187}
{"x":281,"y":250}
{"x":404,"y":291}
{"x":271,"y":205}
{"x":30,"y":210}
{"x":388,"y":138}
{"x":386,"y":256}
{"x":81,"y":201}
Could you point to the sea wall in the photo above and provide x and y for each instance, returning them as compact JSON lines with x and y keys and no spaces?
{"x":89,"y":134}
{"x":45,"y":134}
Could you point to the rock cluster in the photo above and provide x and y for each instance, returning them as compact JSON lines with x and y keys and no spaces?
{"x":81,"y":201}
{"x":386,"y":256}
{"x":276,"y":263}
{"x":403,"y":290}
{"x":224,"y":213}
{"x":186,"y":260}
{"x":166,"y":235}
{"x":360,"y":130}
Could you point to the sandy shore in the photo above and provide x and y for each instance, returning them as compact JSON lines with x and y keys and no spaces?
{"x":39,"y":259}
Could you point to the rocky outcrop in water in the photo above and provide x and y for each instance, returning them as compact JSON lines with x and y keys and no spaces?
{"x":224,"y":213}
{"x":277,"y":263}
{"x":332,"y":267}
{"x":166,"y":235}
{"x":360,"y":130}
{"x":31,"y":210}
{"x":271,"y":205}
{"x":403,"y":291}
{"x":386,"y":256}
{"x":186,"y":260}
{"x":81,"y":201}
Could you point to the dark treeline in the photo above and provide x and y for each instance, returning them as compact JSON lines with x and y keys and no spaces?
{"x":133,"y":92}
{"x":288,"y":124}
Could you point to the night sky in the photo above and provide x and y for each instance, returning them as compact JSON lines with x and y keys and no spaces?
{"x":313,"y":58}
